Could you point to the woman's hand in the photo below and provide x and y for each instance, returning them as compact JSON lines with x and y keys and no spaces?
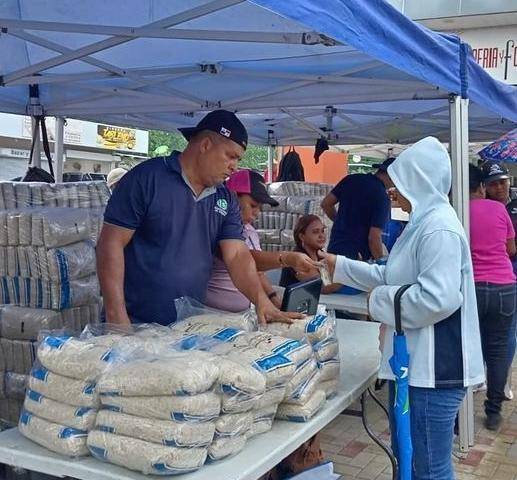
{"x":330,"y":260}
{"x":299,"y":262}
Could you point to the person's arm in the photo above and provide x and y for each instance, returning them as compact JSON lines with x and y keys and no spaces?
{"x":244,"y":275}
{"x":270,"y":291}
{"x":328,"y":205}
{"x":510,"y":235}
{"x":375,"y":242}
{"x":110,"y":270}
{"x":300,"y":262}
{"x":332,"y":288}
{"x":436,"y":294}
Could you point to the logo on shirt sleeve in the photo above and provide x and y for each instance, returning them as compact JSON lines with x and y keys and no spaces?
{"x":221,"y":207}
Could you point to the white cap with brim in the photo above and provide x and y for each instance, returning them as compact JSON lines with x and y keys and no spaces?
{"x":115,"y":175}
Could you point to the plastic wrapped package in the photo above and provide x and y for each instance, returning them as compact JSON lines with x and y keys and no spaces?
{"x":3,"y":261}
{"x":326,"y":349}
{"x":262,"y":421}
{"x":203,"y":407}
{"x":302,"y":413}
{"x":12,"y":262}
{"x":268,"y":236}
{"x":276,"y":368}
{"x":232,"y":424}
{"x":272,"y":397}
{"x":56,"y":227}
{"x":19,"y":355}
{"x":304,"y":205}
{"x":144,"y":457}
{"x":194,"y":312}
{"x":241,"y":385}
{"x":223,"y":447}
{"x":298,"y":351}
{"x":63,"y":389}
{"x":80,"y":418}
{"x":13,"y":226}
{"x":15,"y":385}
{"x":329,"y":369}
{"x":330,"y":387}
{"x":21,"y":323}
{"x":8,"y":195}
{"x":315,"y":329}
{"x":287,"y":238}
{"x":57,"y":438}
{"x":25,"y":228}
{"x":74,"y":357}
{"x":282,"y":204}
{"x":304,"y":372}
{"x":302,"y":394}
{"x":179,"y":373}
{"x":163,"y":432}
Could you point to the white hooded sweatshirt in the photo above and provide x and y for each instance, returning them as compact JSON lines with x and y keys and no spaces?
{"x":439,"y":310}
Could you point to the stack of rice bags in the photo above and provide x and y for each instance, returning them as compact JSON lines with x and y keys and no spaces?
{"x":319,"y":331}
{"x":158,"y":412}
{"x":302,"y":397}
{"x":61,"y":402}
{"x":232,"y":345}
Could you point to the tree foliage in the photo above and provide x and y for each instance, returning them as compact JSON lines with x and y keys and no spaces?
{"x":255,"y":156}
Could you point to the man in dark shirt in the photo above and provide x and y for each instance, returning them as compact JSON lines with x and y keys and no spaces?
{"x":164,"y":222}
{"x":362,"y":214}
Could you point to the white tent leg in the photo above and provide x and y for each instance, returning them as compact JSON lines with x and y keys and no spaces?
{"x":58,"y":148}
{"x":458,"y":110}
{"x":36,"y":153}
{"x":270,"y":164}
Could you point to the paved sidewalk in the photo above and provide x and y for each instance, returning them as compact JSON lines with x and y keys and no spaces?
{"x":355,"y":455}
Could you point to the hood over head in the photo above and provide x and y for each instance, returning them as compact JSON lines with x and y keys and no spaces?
{"x":422,"y":174}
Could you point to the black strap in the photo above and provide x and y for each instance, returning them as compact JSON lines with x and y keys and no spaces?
{"x":40,"y":121}
{"x":46,"y":146}
{"x":398,"y":310}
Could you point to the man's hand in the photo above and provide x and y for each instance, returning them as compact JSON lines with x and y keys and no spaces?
{"x":299,"y":262}
{"x":267,"y":312}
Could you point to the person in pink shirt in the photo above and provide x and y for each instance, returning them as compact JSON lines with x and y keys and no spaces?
{"x":222,"y":293}
{"x":492,"y":243}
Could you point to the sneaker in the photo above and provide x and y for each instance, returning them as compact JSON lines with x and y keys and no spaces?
{"x":508,"y":394}
{"x":493,"y":421}
{"x":479,"y":388}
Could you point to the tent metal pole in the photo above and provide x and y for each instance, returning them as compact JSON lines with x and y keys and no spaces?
{"x":58,"y":148}
{"x":270,"y":152}
{"x":459,"y":150}
{"x":36,"y":152}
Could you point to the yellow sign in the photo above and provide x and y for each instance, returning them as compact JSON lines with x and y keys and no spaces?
{"x":116,"y":137}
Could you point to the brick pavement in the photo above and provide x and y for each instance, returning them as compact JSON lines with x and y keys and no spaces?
{"x":355,"y":455}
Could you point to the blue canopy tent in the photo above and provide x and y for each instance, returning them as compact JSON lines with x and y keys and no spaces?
{"x":351,"y":70}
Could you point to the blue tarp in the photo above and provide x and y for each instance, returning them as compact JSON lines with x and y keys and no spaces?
{"x":387,"y":77}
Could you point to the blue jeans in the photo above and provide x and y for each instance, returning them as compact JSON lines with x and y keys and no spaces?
{"x":433,"y":412}
{"x":512,"y":342}
{"x":496,"y":309}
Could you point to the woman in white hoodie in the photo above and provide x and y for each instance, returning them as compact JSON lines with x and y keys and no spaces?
{"x":439,"y":313}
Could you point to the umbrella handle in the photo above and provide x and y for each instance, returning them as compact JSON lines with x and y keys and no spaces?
{"x":398,"y":312}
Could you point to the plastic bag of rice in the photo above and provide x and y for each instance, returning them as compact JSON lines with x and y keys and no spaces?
{"x":163,"y":432}
{"x":145,"y":457}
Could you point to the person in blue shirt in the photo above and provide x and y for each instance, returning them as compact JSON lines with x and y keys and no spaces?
{"x":362,"y":214}
{"x":164,"y":223}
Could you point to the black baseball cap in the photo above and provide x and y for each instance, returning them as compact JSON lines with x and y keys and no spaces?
{"x":224,"y":123}
{"x":252,"y":183}
{"x":383,"y":167}
{"x":493,"y":171}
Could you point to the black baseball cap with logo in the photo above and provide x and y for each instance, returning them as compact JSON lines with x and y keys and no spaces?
{"x":224,"y":123}
{"x":493,"y":171}
{"x":383,"y":167}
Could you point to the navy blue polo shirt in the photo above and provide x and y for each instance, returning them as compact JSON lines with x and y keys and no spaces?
{"x":363,"y":203}
{"x":175,"y":236}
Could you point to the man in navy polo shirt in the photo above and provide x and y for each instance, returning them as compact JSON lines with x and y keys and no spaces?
{"x":363,"y":212}
{"x":164,"y":222}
